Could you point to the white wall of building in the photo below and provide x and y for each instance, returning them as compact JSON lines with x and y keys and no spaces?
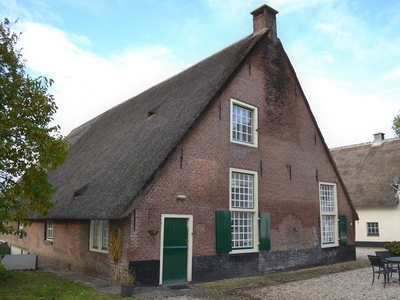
{"x":388,"y":218}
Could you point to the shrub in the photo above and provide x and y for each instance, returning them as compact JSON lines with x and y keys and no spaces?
{"x":393,"y":247}
{"x":4,"y":274}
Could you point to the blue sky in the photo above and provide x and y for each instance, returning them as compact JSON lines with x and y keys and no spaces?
{"x":100,"y":53}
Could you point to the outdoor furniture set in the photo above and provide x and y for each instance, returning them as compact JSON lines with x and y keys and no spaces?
{"x":383,"y":263}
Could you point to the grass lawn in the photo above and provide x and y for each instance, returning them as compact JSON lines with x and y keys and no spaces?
{"x":41,"y":285}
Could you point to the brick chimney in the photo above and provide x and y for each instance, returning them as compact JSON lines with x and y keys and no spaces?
{"x":265,"y":17}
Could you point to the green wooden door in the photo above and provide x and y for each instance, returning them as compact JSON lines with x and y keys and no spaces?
{"x":175,"y":250}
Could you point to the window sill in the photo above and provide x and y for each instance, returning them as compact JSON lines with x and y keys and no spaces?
{"x":253,"y":145}
{"x":239,"y":251}
{"x":99,"y":251}
{"x":47,"y":242}
{"x":330,"y":245}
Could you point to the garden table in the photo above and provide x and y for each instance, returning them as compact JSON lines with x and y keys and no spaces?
{"x":394,"y":260}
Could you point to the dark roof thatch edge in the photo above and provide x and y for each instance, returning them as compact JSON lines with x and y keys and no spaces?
{"x":141,"y":194}
{"x":77,"y":132}
{"x":323,"y":140}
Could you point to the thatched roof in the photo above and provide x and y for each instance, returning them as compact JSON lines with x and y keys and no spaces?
{"x":115,"y":155}
{"x":368,"y":171}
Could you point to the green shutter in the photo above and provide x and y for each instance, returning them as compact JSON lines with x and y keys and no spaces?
{"x":223,"y":231}
{"x":265,"y":231}
{"x":342,"y":230}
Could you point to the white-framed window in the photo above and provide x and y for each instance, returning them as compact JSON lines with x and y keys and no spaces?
{"x":243,"y":205}
{"x":49,"y":230}
{"x":329,"y":214}
{"x":99,"y":235}
{"x":244,"y":123}
{"x":372,"y":228}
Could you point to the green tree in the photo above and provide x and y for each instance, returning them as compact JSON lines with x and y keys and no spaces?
{"x":29,"y":146}
{"x":396,"y":125}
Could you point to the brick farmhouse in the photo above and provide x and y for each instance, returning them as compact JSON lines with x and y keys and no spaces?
{"x":220,"y":171}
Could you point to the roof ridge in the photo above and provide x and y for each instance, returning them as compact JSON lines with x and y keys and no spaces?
{"x":261,"y":32}
{"x":362,"y":144}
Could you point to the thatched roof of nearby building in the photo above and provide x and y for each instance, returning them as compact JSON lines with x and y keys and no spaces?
{"x":115,"y":155}
{"x":368,"y":171}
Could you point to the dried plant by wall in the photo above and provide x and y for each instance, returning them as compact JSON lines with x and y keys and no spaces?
{"x":116,"y":247}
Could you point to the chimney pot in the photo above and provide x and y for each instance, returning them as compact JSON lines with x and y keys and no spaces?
{"x":265,"y":17}
{"x":379,"y":137}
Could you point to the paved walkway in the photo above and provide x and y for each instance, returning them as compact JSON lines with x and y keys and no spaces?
{"x":189,"y":291}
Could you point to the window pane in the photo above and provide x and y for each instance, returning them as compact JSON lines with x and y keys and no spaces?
{"x":328,"y":230}
{"x":372,"y":228}
{"x":49,"y":231}
{"x":326,"y":198}
{"x":95,"y":234}
{"x":242,"y":230}
{"x":242,"y":190}
{"x":242,"y":124}
{"x":105,"y":235}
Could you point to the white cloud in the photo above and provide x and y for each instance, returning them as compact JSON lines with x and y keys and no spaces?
{"x":11,"y":10}
{"x":327,"y":28}
{"x":86,"y":85}
{"x":345,"y":114}
{"x":288,"y":6}
{"x":27,"y":10}
{"x":392,"y":74}
{"x":229,"y":10}
{"x":349,"y":71}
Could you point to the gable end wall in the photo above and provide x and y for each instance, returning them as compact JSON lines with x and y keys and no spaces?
{"x":199,"y":169}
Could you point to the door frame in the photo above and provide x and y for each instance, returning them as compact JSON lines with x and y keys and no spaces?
{"x":190,"y":244}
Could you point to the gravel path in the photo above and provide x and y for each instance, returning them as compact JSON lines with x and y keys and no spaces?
{"x":345,"y":285}
{"x":354,"y":284}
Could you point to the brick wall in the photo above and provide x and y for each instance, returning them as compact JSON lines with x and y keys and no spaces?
{"x":70,"y":247}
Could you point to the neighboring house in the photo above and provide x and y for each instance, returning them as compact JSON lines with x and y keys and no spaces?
{"x":220,"y":171}
{"x":369,"y":172}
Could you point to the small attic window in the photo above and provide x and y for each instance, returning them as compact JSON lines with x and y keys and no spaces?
{"x":80,"y":191}
{"x":152,"y":111}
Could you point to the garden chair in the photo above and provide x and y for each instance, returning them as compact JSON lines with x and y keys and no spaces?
{"x":383,"y":255}
{"x":379,"y":267}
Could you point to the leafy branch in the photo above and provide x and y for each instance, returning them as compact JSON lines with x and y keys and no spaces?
{"x":29,"y":146}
